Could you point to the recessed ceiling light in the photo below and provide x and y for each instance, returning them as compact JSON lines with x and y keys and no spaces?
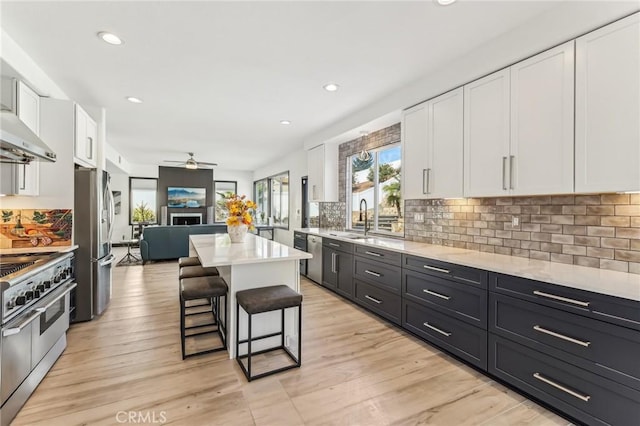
{"x":330,"y":87}
{"x":445,"y":2}
{"x":134,"y":100}
{"x":110,"y":38}
{"x":285,"y":122}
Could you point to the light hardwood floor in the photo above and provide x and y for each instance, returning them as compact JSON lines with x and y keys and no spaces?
{"x":356,"y":370}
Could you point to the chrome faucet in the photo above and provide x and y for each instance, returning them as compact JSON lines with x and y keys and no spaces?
{"x":366,"y":218}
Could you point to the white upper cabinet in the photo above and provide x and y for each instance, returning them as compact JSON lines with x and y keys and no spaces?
{"x":444,"y":145}
{"x":518,"y":126}
{"x":86,"y":133}
{"x":541,"y":146}
{"x":486,"y":135}
{"x":27,"y":176}
{"x":322,"y":163}
{"x":607,"y":151}
{"x":414,"y":152}
{"x":432,"y":139}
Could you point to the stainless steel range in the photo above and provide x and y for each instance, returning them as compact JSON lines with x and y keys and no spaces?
{"x":36,"y":305}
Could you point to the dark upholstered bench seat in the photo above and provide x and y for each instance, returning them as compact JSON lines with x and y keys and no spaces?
{"x":267,"y":299}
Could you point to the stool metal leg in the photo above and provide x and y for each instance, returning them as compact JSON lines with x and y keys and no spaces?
{"x":182,"y":327}
{"x":249,"y":349}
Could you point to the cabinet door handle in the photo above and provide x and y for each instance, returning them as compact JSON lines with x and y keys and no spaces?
{"x":433,"y":268}
{"x":578,"y":395}
{"x":433,"y":293}
{"x":511,"y":160}
{"x":504,"y":173}
{"x":89,"y":150}
{"x":333,"y":263}
{"x":436,"y":329}
{"x":561,"y":336}
{"x":375,"y":274}
{"x":23,"y":185}
{"x":372,"y":299}
{"x":334,"y":244}
{"x":424,"y":181}
{"x":372,"y":253}
{"x":313,"y":192}
{"x":560,"y":298}
{"x":429,"y":181}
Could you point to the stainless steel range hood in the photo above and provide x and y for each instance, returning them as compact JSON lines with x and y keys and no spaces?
{"x":18,"y":144}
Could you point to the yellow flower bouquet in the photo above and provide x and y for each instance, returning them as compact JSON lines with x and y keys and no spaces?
{"x":240,"y":211}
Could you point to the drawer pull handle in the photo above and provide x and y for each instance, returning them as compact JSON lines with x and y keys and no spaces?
{"x":375,"y":274}
{"x":444,"y":333}
{"x":561,"y":336}
{"x":466,"y":280}
{"x":433,"y":268}
{"x":433,"y":293}
{"x":334,"y":244}
{"x":372,"y":299}
{"x":540,"y":377}
{"x":373,"y":253}
{"x":560,"y":298}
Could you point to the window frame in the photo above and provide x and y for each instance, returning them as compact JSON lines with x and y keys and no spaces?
{"x":215,"y":199}
{"x":269,"y":187}
{"x":349,"y":194}
{"x":131,"y":206}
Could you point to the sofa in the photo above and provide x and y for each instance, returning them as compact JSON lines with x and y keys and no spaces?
{"x":172,"y":242}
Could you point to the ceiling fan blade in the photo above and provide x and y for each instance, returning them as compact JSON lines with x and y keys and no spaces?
{"x":207,"y":164}
{"x":172,"y":161}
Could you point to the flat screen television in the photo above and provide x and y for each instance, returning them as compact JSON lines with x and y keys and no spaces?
{"x":181,"y":197}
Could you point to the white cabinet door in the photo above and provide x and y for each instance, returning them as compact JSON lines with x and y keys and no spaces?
{"x":486,"y":135}
{"x":445,"y":146}
{"x":414,"y":152}
{"x":85,"y":138}
{"x":28,"y":109}
{"x":607,"y":108}
{"x":541,"y":154}
{"x":315,"y":161}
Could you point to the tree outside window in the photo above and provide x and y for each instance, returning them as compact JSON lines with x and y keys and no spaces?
{"x":142,"y":200}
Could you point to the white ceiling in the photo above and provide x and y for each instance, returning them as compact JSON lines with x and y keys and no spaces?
{"x":217,"y":77}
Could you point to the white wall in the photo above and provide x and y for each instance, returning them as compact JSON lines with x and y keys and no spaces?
{"x":296,"y":164}
{"x":121,"y":227}
{"x":244,"y":179}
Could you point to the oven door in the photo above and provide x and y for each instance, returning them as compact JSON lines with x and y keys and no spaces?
{"x":53,"y":321}
{"x":15,"y":344}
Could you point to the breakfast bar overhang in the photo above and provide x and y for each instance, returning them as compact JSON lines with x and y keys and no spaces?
{"x":257,"y":262}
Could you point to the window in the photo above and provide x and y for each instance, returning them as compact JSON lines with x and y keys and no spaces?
{"x":142,"y":200}
{"x":376,"y":180}
{"x":222,"y":189}
{"x":272,"y":198}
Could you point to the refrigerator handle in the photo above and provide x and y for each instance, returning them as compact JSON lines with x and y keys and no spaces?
{"x":108,"y":261}
{"x":111,"y":213}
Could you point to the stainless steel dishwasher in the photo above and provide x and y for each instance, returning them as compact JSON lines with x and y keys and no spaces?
{"x":314,"y":265}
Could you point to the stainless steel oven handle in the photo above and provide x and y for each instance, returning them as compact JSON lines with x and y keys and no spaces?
{"x":67,"y":290}
{"x":108,"y":261}
{"x":15,"y":330}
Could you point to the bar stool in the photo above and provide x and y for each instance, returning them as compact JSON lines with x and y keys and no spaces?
{"x":189,"y":261}
{"x":190,"y":267}
{"x":204,"y":287}
{"x":267,"y":299}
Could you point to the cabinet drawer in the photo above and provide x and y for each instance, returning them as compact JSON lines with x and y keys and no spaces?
{"x":459,"y":338}
{"x":606,"y":349}
{"x":464,"y":302}
{"x":379,"y":301}
{"x":299,"y":235}
{"x":386,"y":276}
{"x":379,"y":255}
{"x":300,"y":244}
{"x":458,"y":273}
{"x":599,"y":306}
{"x":589,"y":398}
{"x":337,"y":245}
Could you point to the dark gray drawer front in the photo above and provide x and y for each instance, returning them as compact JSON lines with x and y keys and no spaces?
{"x":386,"y":276}
{"x":595,"y":305}
{"x":610,"y":350}
{"x":464,"y":302}
{"x":461,"y":274}
{"x":300,"y":244}
{"x":381,"y":302}
{"x":379,"y":255}
{"x":337,"y":245}
{"x":586,"y":396}
{"x":459,"y":338}
{"x":300,"y":235}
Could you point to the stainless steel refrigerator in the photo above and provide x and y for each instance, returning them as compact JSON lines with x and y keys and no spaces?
{"x":92,"y":226}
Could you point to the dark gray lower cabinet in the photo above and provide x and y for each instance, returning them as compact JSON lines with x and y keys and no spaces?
{"x":300,"y":243}
{"x":379,"y":301}
{"x":337,"y":269}
{"x":461,"y":339}
{"x":588,"y":397}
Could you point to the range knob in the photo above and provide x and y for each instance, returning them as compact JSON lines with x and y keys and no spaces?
{"x":63,"y":275}
{"x":29,"y":294}
{"x":21,"y":300}
{"x":56,"y":279}
{"x":36,"y":293}
{"x":41,"y":288}
{"x":47,"y":284}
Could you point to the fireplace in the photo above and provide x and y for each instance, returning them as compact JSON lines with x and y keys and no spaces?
{"x":186,"y":218}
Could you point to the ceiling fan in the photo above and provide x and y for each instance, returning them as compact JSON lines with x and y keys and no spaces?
{"x":191,"y":163}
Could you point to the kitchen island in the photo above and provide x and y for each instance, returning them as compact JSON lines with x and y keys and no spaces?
{"x":257,"y":262}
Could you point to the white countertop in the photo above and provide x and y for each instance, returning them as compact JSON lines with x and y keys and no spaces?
{"x":217,"y":250}
{"x":612,"y":283}
{"x":48,"y":249}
